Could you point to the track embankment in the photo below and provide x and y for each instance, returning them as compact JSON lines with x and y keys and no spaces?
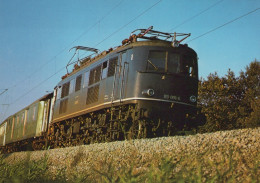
{"x":220,"y":156}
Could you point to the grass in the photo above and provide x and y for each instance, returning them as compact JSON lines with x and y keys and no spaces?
{"x":25,"y":171}
{"x":163,"y":172}
{"x":161,"y":169}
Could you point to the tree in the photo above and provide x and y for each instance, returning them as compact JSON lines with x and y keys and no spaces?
{"x":231,"y":102}
{"x":251,"y":101}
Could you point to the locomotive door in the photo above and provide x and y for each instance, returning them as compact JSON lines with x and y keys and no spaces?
{"x":120,"y":77}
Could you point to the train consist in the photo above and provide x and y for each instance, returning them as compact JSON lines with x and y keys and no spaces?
{"x":146,"y":87}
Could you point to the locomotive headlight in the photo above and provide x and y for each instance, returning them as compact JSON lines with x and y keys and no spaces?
{"x":193,"y":98}
{"x":148,"y":92}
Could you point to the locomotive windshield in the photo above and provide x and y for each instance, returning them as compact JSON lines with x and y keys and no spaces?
{"x":156,"y":61}
{"x":173,"y":63}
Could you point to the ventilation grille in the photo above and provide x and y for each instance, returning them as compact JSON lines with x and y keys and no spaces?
{"x":93,"y":93}
{"x":65,"y":89}
{"x":111,"y":67}
{"x":78,"y":83}
{"x":63,"y":106}
{"x":95,"y":75}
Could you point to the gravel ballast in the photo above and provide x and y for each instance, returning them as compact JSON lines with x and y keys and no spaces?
{"x":208,"y":153}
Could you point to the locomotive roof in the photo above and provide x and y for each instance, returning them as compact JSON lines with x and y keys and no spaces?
{"x":149,"y":38}
{"x":85,"y":62}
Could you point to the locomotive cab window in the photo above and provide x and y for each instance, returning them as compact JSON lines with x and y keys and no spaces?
{"x":172,"y":63}
{"x":156,"y":61}
{"x":162,"y":61}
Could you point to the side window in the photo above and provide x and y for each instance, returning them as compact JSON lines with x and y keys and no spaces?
{"x":111,"y":67}
{"x":17,"y":120}
{"x":98,"y":73}
{"x":72,"y":86}
{"x":104,"y":70}
{"x":86,"y":79}
{"x":78,"y":83}
{"x":189,"y":66}
{"x":23,"y":114}
{"x":2,"y":130}
{"x":95,"y":75}
{"x":34,"y":113}
{"x":58,"y":90}
{"x":65,"y":90}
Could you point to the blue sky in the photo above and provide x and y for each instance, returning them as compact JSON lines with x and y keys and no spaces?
{"x":36,"y":35}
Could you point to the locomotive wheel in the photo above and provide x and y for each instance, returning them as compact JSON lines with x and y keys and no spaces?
{"x":137,"y":130}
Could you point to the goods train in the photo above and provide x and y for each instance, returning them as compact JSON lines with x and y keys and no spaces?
{"x":147,"y":87}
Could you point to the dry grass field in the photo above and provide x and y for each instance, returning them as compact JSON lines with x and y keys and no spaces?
{"x":226,"y":156}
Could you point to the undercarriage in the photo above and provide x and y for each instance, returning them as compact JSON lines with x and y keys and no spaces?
{"x":112,"y":124}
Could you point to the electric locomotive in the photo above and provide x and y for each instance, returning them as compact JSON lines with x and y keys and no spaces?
{"x":144,"y":88}
{"x":147,"y":87}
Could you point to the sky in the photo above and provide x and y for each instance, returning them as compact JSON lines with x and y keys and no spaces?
{"x":36,"y":36}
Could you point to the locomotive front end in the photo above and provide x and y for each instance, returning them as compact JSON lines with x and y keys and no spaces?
{"x":167,"y":85}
